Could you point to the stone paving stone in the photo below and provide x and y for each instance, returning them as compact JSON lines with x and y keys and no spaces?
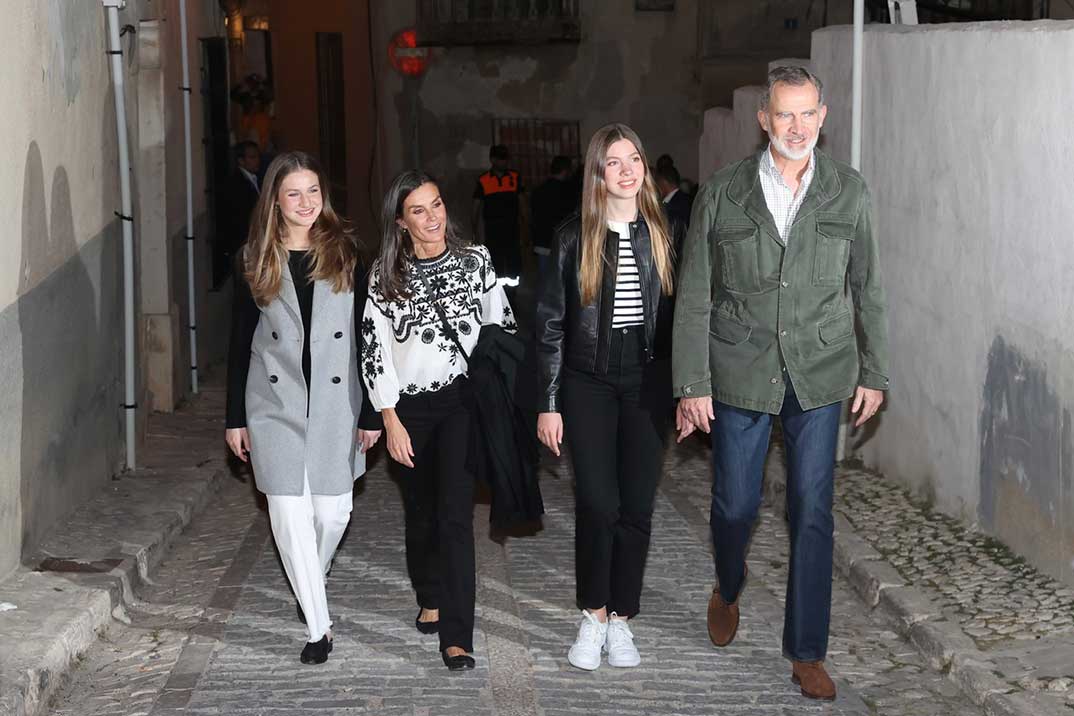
{"x":196,"y":645}
{"x":1020,"y":620}
{"x":980,"y":584}
{"x":864,"y":647}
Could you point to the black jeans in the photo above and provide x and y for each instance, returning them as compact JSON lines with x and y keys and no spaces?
{"x":438,"y":498}
{"x":616,"y":425}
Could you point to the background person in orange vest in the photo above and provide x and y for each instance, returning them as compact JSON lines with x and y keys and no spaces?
{"x":497,"y":200}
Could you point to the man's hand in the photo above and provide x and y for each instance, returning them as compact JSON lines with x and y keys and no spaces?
{"x":867,"y":401}
{"x":694,"y":413}
{"x":683,"y":424}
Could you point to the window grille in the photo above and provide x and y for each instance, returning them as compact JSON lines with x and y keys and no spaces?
{"x":484,"y":22}
{"x":534,"y":142}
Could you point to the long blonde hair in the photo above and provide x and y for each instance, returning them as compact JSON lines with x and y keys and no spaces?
{"x":333,"y":247}
{"x":595,"y":214}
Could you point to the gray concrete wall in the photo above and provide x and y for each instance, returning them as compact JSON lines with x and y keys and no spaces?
{"x":634,"y":67}
{"x":61,"y":321}
{"x":965,"y":150}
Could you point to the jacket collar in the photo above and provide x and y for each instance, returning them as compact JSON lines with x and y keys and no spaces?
{"x":745,"y":190}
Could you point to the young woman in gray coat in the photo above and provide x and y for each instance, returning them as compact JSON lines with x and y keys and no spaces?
{"x":294,"y":396}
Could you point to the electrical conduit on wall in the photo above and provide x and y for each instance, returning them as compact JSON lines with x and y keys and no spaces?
{"x":126,"y":215}
{"x":185,"y":89}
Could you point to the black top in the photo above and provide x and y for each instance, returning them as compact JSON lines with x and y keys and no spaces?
{"x":245,"y":316}
{"x":304,"y":289}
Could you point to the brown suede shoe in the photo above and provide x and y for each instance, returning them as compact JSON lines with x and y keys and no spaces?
{"x":722,"y":619}
{"x":814,"y":680}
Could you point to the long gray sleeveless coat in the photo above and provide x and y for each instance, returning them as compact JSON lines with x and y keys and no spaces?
{"x":283,"y":441}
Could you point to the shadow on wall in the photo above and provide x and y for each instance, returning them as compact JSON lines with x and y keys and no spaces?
{"x":66,"y":407}
{"x":1025,"y":455}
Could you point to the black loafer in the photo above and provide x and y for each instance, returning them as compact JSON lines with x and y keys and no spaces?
{"x":316,"y":652}
{"x":426,"y":627}
{"x":458,"y":662}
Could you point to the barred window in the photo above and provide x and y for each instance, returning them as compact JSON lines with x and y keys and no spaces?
{"x":534,"y":142}
{"x":483,"y":22}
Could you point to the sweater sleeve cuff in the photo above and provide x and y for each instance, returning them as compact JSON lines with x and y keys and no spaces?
{"x":370,"y":420}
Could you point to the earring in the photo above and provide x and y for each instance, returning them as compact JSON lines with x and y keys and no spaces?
{"x":406,"y":230}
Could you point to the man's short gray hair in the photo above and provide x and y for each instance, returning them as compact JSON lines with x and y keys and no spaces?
{"x":791,"y":75}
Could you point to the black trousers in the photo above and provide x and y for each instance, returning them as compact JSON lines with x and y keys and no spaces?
{"x":616,"y":426}
{"x":438,"y":498}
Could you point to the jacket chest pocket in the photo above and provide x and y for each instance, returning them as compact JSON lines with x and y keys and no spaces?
{"x":835,"y":232}
{"x":737,"y":247}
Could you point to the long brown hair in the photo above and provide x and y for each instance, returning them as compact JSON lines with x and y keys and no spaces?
{"x":595,"y":214}
{"x":395,"y":245}
{"x":333,"y":246}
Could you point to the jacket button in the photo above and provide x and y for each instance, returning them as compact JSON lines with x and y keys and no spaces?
{"x":272,"y":379}
{"x":339,"y":334}
{"x":336,"y":379}
{"x":783,"y":333}
{"x":275,"y":336}
{"x":784,"y":284}
{"x":774,"y":381}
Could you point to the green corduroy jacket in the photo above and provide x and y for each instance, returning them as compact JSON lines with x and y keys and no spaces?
{"x":750,"y":306}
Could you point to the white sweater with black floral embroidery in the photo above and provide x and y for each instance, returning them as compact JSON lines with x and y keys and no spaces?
{"x":404,"y":348}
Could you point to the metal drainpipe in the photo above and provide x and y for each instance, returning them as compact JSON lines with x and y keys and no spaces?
{"x":855,"y":161}
{"x":856,"y":84}
{"x":193,"y":315}
{"x":126,"y":215}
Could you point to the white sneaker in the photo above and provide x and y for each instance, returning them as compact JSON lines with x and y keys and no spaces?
{"x":585,"y":652}
{"x":620,"y":644}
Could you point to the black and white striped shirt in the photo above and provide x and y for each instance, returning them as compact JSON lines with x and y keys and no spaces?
{"x":628,"y":309}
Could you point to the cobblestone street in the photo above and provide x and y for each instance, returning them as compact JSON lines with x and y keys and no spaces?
{"x":215,"y":632}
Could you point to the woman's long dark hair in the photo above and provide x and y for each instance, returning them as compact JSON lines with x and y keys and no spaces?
{"x":396,"y":246}
{"x":333,"y":246}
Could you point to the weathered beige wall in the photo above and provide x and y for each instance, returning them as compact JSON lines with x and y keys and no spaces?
{"x":638,"y":68}
{"x":964,"y":147}
{"x":61,"y":360}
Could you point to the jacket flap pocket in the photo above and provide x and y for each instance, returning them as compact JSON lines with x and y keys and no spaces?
{"x":729,"y":331}
{"x":735,"y":232}
{"x":835,"y":226}
{"x":836,"y":328}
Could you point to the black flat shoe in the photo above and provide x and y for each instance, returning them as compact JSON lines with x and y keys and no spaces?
{"x":426,"y":627}
{"x":301,"y":614}
{"x":316,"y":652}
{"x":458,"y":662}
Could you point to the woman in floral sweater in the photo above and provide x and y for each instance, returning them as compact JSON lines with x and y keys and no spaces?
{"x":416,"y":376}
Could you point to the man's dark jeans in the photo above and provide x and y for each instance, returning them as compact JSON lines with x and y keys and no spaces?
{"x":739,"y":445}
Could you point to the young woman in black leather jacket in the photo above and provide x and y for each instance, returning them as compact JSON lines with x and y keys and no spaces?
{"x":603,"y":328}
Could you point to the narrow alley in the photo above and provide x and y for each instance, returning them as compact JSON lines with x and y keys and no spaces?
{"x":214,"y":630}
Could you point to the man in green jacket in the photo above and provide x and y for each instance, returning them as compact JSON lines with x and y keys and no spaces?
{"x":780,"y":311}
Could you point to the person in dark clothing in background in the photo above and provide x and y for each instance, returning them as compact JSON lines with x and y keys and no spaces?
{"x":240,"y":196}
{"x":552,"y":202}
{"x":686,"y":186}
{"x":497,"y":200}
{"x":676,"y":202}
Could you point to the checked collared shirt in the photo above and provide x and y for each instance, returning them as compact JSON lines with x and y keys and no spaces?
{"x":782,"y":203}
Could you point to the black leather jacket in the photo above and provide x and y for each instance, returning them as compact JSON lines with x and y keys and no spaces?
{"x":578,"y":336}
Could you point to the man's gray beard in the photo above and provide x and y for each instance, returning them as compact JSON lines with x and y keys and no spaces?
{"x":784,"y":151}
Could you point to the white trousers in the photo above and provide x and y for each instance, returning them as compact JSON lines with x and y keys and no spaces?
{"x":307,"y":530}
